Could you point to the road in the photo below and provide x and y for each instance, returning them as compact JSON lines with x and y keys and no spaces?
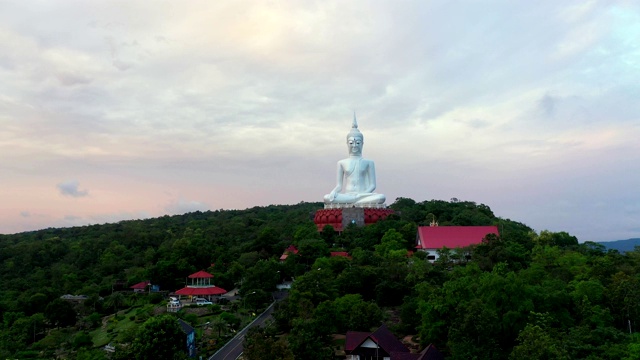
{"x":233,"y":348}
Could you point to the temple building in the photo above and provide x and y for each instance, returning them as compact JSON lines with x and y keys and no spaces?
{"x":434,"y":237}
{"x":199,"y":286}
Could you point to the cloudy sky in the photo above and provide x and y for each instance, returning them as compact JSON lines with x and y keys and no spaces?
{"x":133,"y":109}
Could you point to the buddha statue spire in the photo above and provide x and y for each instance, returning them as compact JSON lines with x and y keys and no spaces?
{"x":354,"y":132}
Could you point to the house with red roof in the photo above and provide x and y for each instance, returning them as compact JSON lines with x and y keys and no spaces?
{"x":288,"y":251}
{"x":383,"y":345}
{"x":434,"y":237}
{"x":140,"y":287}
{"x":340,"y":254}
{"x":199,"y":286}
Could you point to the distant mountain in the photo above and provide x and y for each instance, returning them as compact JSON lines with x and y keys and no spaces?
{"x":622,"y":245}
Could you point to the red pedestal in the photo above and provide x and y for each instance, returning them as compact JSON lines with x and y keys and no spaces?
{"x":334,"y":217}
{"x":326,"y":217}
{"x":371,"y":216}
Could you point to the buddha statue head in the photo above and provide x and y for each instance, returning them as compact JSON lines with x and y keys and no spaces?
{"x":355,"y":139}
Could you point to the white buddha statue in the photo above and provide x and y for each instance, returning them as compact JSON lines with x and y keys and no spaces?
{"x":356,"y":177}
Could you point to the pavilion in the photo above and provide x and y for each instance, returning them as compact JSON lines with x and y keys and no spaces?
{"x":199,"y":286}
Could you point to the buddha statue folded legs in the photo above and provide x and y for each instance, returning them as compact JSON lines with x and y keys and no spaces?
{"x":354,"y":198}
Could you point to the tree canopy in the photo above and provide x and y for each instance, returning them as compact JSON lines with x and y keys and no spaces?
{"x":542,"y":294}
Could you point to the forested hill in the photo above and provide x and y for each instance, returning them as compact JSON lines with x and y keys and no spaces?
{"x":621,"y":245}
{"x":520,"y":295}
{"x":88,"y":259}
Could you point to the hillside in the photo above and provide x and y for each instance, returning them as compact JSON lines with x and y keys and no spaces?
{"x":621,"y":245}
{"x":519,"y":295}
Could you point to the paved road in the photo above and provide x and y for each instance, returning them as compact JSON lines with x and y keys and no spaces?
{"x":233,"y":348}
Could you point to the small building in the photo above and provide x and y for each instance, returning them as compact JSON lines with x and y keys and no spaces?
{"x":190,"y":335}
{"x":288,"y":251}
{"x":340,"y":254}
{"x":378,"y":345}
{"x":140,"y":287}
{"x":429,"y":353}
{"x":434,"y":237}
{"x":199,"y":286}
{"x":383,"y":345}
{"x":74,"y":298}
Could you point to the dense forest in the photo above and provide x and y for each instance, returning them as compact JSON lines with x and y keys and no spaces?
{"x":520,"y":295}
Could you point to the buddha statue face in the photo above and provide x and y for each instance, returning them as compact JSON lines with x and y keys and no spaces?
{"x":354,"y":144}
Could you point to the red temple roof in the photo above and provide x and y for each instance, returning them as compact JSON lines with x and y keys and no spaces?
{"x":291,"y":249}
{"x":437,"y":237}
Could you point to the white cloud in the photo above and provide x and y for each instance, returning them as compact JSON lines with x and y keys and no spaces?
{"x":183,"y":206}
{"x":71,"y":188}
{"x":256,"y":97}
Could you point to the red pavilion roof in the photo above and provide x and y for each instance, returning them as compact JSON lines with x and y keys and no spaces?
{"x":201,"y":291}
{"x":200,"y":275}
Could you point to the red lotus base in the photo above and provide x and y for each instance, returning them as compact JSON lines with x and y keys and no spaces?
{"x":341,"y":218}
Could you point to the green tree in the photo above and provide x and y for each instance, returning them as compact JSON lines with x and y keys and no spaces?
{"x":262,"y":344}
{"x":19,"y":335}
{"x":311,"y":249}
{"x":266,"y":240}
{"x":82,"y":340}
{"x":307,"y":340}
{"x":230,"y":319}
{"x":536,"y":344}
{"x":60,"y":313}
{"x":624,"y":297}
{"x":634,"y":348}
{"x":358,"y":280}
{"x":356,"y":314}
{"x":306,"y":231}
{"x":95,"y":354}
{"x":159,"y":337}
{"x":38,"y":302}
{"x":316,"y":285}
{"x":561,"y":239}
{"x":329,"y":235}
{"x":219,"y":324}
{"x":115,"y":301}
{"x":392,"y":240}
{"x":264,"y":275}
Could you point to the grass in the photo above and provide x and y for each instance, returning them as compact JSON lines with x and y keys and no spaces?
{"x":102,"y":336}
